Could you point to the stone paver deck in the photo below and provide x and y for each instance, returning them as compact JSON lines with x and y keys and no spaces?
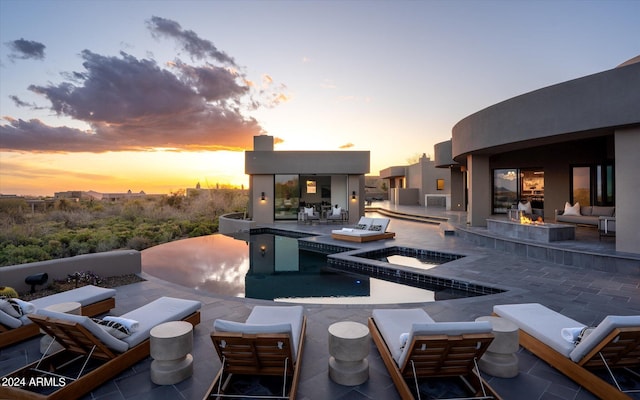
{"x":583,"y":294}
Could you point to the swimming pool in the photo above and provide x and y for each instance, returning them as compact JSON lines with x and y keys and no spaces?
{"x":273,"y":266}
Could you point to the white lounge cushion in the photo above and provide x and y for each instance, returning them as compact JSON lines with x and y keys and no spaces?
{"x":379,"y":224}
{"x":448,"y":328}
{"x":9,"y":321}
{"x":542,"y":323}
{"x":159,"y":311}
{"x":268,"y":319}
{"x":84,"y":295}
{"x":394,"y":323}
{"x":110,"y":341}
{"x":603,"y":329}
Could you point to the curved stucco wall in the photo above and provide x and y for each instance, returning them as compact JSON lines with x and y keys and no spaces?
{"x":595,"y":103}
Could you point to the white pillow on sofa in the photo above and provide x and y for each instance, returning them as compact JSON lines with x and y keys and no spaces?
{"x":526,"y":207}
{"x":571,"y":210}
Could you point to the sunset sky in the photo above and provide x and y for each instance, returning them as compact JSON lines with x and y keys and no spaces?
{"x":160,"y":95}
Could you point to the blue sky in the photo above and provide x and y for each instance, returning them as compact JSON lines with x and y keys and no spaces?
{"x":113,"y":95}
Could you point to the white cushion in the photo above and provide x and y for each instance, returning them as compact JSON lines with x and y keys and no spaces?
{"x":447,"y":328}
{"x":526,"y":207}
{"x":336,"y":211}
{"x":159,"y":311}
{"x":110,"y":341}
{"x":393,"y":323}
{"x":571,"y":210}
{"x":268,"y":319}
{"x":605,"y":327}
{"x":84,"y":295}
{"x":9,"y":321}
{"x":309,"y":211}
{"x":540,"y":322}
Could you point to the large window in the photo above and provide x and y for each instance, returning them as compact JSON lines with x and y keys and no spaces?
{"x":593,"y":185}
{"x":505,"y":189}
{"x":513,"y":184}
{"x":287,"y":199}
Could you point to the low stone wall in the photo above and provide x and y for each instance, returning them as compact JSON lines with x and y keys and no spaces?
{"x":234,"y":223}
{"x":110,"y":263}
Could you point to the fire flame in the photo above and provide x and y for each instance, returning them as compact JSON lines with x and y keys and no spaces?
{"x":527,"y":221}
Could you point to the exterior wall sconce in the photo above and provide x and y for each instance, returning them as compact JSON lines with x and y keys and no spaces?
{"x":353,"y":195}
{"x":263,"y":249}
{"x":262,"y":197}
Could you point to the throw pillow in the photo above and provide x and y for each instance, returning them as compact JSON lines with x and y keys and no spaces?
{"x":309,"y":211}
{"x":376,"y":228}
{"x":361,"y":226}
{"x":337,"y":211}
{"x":115,"y":329}
{"x":11,"y":308}
{"x":571,"y":210}
{"x":526,"y":207}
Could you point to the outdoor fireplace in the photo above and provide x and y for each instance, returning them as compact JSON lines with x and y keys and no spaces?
{"x":523,"y":227}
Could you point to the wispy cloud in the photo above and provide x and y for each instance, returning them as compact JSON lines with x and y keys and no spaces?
{"x":347,"y":146}
{"x":137,"y":104}
{"x":197,"y":47}
{"x":26,"y":49}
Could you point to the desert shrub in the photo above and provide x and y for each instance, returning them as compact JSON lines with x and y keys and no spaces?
{"x":139,"y":243}
{"x":11,"y":254}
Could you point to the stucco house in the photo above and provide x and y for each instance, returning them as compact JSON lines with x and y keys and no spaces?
{"x":283,"y":182}
{"x":576,"y":141}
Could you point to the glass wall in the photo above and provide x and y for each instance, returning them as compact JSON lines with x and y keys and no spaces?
{"x":287,"y":197}
{"x":593,"y":185}
{"x":505,"y":189}
{"x":511,"y":185}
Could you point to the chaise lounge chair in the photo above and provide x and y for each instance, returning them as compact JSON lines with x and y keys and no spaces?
{"x":94,"y":301}
{"x":367,"y":230}
{"x":91,"y":356}
{"x":269,"y":343}
{"x":431,"y":350}
{"x":613,"y":344}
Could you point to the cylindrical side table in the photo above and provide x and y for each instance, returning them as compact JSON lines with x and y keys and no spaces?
{"x":70,"y":307}
{"x":500,"y":359}
{"x":349,"y":346}
{"x":171,"y":346}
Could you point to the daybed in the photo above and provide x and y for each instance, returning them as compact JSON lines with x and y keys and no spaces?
{"x":91,"y":356}
{"x":413,"y":346}
{"x":94,"y":301}
{"x":367,"y":230}
{"x":268,"y":343}
{"x":614,"y":343}
{"x":588,"y":215}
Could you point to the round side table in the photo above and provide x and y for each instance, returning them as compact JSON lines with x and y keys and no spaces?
{"x":500,"y":359}
{"x":70,"y":307}
{"x":349,"y":346}
{"x":171,"y":345}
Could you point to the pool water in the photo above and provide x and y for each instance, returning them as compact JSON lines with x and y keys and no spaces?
{"x":272,"y":267}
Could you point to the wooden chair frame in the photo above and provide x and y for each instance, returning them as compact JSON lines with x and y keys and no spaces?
{"x":80,"y":346}
{"x":9,"y":336}
{"x":620,"y":349}
{"x":256,"y":355}
{"x":435,"y":356}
